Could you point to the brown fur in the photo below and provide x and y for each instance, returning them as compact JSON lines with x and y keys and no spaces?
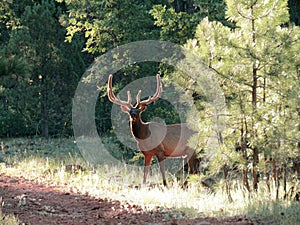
{"x":163,"y":141}
{"x":154,"y":139}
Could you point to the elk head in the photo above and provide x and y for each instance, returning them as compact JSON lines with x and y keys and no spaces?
{"x":135,"y":111}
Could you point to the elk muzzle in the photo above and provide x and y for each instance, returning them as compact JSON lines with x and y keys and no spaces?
{"x":134,"y":113}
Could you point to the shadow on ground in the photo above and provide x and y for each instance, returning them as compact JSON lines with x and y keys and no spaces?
{"x":35,"y":203}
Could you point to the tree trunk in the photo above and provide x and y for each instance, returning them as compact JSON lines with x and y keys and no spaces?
{"x":227,"y":188}
{"x":44,"y":109}
{"x":268,"y":182}
{"x":297,"y":162}
{"x":190,"y":6}
{"x":245,"y":179}
{"x":184,"y":6}
{"x":267,"y":173}
{"x":245,"y":169}
{"x":254,"y":108}
{"x":275,"y":175}
{"x":254,"y":134}
{"x":285,"y":180}
{"x":243,"y":145}
{"x":254,"y":169}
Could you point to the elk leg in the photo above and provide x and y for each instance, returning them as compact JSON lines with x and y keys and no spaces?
{"x":161,"y":161}
{"x":147,"y":163}
{"x":193,"y":163}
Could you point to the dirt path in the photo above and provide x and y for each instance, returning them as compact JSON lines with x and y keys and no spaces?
{"x":36,"y":204}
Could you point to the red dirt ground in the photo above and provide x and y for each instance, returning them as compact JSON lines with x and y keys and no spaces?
{"x":35,"y":204}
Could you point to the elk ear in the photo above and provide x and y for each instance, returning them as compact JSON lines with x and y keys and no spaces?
{"x":142,"y":107}
{"x":125,"y":108}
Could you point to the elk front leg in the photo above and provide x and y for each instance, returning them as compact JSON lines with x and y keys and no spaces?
{"x":161,"y":161}
{"x":147,"y":163}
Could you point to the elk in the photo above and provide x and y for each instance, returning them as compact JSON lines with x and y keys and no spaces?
{"x":155,"y":139}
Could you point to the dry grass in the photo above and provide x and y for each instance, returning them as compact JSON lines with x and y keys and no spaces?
{"x":122,"y":182}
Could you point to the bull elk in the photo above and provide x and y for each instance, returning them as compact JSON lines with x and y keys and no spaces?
{"x":155,"y":139}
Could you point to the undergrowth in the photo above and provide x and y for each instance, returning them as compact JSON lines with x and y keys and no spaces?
{"x":59,"y":162}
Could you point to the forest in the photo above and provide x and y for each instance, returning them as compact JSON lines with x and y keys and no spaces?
{"x":252,"y":48}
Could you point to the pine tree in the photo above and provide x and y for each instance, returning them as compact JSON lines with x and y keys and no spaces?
{"x":39,"y":71}
{"x":258,"y":66}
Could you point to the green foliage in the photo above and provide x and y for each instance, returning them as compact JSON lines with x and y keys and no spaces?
{"x":8,"y":20}
{"x":178,"y":20}
{"x":117,"y":149}
{"x":14,"y":76}
{"x":107,"y":24}
{"x":17,"y":149}
{"x":37,"y":69}
{"x":257,"y":65}
{"x":175,"y":26}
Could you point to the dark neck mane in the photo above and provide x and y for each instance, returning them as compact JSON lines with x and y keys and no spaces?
{"x":140,"y":129}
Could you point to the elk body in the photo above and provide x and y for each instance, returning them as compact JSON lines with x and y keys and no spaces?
{"x":155,"y":139}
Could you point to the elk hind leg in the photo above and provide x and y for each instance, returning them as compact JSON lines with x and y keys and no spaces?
{"x":162,"y":167}
{"x":193,"y":162}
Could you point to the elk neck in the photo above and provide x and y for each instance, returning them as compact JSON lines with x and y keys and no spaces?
{"x":139,"y":129}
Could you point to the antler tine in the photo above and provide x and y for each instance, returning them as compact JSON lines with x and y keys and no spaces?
{"x":110,"y":93}
{"x":129,"y":99}
{"x":158,"y":87}
{"x":111,"y":96}
{"x":157,"y":94}
{"x":138,"y":98}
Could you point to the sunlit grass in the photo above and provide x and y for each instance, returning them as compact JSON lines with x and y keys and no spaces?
{"x":8,"y":219}
{"x":123,"y":182}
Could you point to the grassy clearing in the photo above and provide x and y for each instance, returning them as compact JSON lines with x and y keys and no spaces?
{"x":58,"y":162}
